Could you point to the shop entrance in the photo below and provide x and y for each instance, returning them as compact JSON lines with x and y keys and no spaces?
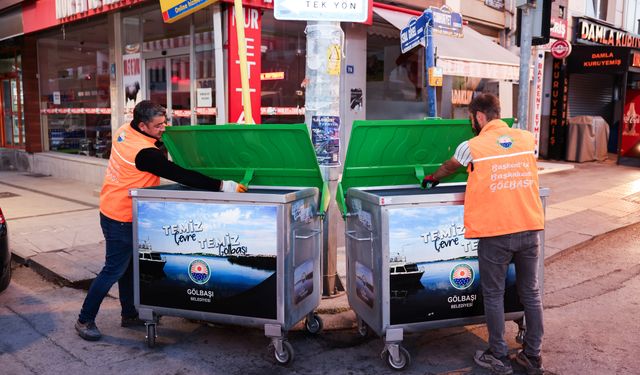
{"x":11,"y":118}
{"x":168,"y":83}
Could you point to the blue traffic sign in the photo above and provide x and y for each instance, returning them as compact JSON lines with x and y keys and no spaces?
{"x":413,"y":34}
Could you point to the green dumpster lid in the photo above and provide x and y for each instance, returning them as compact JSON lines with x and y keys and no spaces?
{"x":400,"y":152}
{"x":267,"y":155}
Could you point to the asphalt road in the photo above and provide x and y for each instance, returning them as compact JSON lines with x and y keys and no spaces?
{"x":592,"y":298}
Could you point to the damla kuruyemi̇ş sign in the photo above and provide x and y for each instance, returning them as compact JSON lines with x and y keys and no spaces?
{"x":209,"y":257}
{"x":433,"y":269}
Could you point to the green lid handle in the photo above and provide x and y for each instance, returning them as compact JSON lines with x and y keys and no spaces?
{"x":419,"y":173}
{"x":340,"y":200}
{"x":248,"y":176}
{"x":325,"y":199}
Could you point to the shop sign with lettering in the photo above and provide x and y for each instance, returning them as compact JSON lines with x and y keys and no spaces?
{"x":322,"y":10}
{"x":69,"y":8}
{"x":589,"y":32}
{"x":558,"y":28}
{"x":253,"y":36}
{"x":266,"y":4}
{"x":558,"y":115}
{"x":591,"y":59}
{"x":173,"y":10}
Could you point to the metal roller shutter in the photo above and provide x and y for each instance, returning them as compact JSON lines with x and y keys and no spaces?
{"x":591,"y":95}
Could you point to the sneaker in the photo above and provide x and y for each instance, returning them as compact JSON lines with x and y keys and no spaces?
{"x":533,"y":365}
{"x":132,"y":321}
{"x":486,"y":359}
{"x":88,"y":331}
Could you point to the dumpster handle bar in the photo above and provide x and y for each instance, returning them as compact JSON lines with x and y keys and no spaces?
{"x":315,"y":233}
{"x":350,"y":234}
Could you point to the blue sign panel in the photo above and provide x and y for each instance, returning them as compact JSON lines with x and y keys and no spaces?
{"x":413,"y":34}
{"x":446,"y":22}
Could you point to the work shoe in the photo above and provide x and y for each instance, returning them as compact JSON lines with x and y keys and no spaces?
{"x":486,"y":359}
{"x":533,"y":365}
{"x":132,"y":321}
{"x":88,"y":331}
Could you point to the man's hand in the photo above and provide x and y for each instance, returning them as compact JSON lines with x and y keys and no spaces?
{"x":429,"y":182}
{"x":229,"y":186}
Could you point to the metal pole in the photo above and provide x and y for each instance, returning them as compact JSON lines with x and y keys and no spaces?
{"x":525,"y":61}
{"x":430,"y":62}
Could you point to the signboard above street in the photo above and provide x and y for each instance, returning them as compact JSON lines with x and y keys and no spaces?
{"x":413,"y":34}
{"x":173,"y":10}
{"x":447,"y":22}
{"x":322,"y":10}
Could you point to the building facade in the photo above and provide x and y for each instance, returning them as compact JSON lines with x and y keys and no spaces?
{"x":75,"y":69}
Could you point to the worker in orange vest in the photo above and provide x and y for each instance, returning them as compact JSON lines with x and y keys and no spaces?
{"x":503,"y":210}
{"x":136,"y":161}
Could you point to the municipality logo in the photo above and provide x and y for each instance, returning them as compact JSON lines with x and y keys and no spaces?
{"x":122,"y":136}
{"x":505,"y":141}
{"x":199,"y":272}
{"x":461,"y":276}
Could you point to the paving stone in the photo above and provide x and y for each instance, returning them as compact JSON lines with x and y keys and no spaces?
{"x":58,"y":267}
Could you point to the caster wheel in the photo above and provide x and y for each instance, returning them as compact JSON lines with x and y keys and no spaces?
{"x":363,"y":329}
{"x":151,"y":335}
{"x":286,"y":356}
{"x":402,"y":363}
{"x":313,"y":325}
{"x":520,"y":336}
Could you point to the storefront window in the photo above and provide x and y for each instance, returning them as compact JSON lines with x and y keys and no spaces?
{"x":74,"y":89}
{"x":395,"y":81}
{"x":205,"y":72}
{"x":283,"y":70}
{"x":11,"y":112}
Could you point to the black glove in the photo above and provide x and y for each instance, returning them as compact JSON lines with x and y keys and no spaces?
{"x":429,"y":182}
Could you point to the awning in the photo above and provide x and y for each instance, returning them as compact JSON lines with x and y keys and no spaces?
{"x":473,"y":55}
{"x":11,"y":25}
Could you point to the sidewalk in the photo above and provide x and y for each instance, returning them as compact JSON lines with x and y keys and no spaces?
{"x":54,"y":226}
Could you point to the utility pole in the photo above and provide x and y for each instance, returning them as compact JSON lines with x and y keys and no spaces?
{"x":526,"y":33}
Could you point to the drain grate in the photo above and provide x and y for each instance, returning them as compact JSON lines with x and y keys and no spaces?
{"x":6,"y":194}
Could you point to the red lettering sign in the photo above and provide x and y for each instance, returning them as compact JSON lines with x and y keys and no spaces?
{"x":252,"y":32}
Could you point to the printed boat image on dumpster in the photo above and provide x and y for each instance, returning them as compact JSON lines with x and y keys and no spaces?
{"x":218,"y":258}
{"x":433,"y":269}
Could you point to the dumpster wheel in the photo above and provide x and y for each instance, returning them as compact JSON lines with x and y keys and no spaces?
{"x":363,"y":328}
{"x":151,"y":335}
{"x":520,"y":336}
{"x":287,"y":354}
{"x":313,"y":323}
{"x":402,"y":362}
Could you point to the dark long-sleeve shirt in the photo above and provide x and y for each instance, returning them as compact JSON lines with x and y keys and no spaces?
{"x":154,"y":161}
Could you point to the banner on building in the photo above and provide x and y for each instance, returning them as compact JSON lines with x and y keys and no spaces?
{"x":630,"y":141}
{"x":558,"y":115}
{"x":253,"y":37}
{"x":131,"y":80}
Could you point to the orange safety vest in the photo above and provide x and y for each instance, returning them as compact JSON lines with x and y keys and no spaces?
{"x":502,"y":195}
{"x":123,"y":175}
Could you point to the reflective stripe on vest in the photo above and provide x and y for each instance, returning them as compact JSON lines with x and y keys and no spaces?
{"x":502,"y":194}
{"x":123,"y":175}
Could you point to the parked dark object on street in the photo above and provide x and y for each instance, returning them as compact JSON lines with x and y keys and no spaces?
{"x":5,"y":254}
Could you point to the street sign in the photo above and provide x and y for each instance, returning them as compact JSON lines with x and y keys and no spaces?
{"x":413,"y":34}
{"x":447,"y":22}
{"x":322,"y":10}
{"x":560,"y":49}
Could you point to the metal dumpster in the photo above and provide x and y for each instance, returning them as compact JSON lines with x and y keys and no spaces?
{"x":409,"y":267}
{"x":248,"y":259}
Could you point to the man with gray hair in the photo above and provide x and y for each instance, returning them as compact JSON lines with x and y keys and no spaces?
{"x":136,"y":161}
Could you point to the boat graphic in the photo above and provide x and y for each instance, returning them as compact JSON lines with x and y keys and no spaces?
{"x":403,"y":273}
{"x":151,"y":263}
